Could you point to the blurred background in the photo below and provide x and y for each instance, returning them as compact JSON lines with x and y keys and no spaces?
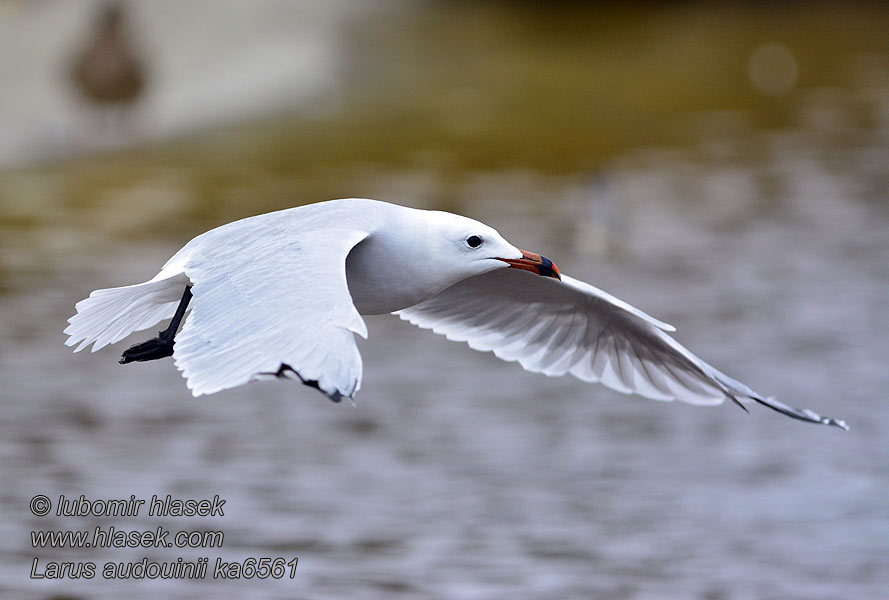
{"x":723,"y":167}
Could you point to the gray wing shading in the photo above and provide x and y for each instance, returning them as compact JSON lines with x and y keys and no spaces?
{"x":271,"y":305}
{"x":554,"y":328}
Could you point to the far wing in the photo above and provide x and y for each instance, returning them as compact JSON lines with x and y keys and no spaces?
{"x":267,"y":305}
{"x":554,"y":328}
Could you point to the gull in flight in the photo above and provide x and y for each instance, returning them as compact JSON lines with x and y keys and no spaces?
{"x":282,"y":295}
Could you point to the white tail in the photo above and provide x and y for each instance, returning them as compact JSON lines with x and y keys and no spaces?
{"x":110,"y":315}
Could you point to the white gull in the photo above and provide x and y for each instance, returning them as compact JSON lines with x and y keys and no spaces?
{"x":282,"y":294}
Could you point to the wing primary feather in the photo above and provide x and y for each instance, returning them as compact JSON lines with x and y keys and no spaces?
{"x":284,"y":373}
{"x":801,"y":414}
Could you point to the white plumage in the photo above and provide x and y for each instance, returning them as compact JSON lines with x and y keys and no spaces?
{"x":282,"y":294}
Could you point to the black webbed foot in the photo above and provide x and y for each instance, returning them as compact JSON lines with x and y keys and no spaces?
{"x":153,"y":349}
{"x":162,"y":345}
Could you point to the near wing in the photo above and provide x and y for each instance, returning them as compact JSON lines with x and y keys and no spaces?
{"x":271,"y":305}
{"x":555,"y":327}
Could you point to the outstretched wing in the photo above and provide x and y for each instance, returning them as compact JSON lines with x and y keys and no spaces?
{"x":270,"y":305}
{"x":568,"y":326}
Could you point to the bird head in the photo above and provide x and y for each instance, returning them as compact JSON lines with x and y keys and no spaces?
{"x":475,"y":248}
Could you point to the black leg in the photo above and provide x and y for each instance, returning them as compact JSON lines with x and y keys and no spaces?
{"x":162,"y":345}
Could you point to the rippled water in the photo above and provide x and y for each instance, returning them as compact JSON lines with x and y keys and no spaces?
{"x":460,"y":476}
{"x":457,"y":475}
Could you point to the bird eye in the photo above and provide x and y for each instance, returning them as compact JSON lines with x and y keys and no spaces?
{"x":474,"y":241}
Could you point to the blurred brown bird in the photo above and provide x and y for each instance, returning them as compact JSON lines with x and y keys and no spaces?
{"x":108,"y":71}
